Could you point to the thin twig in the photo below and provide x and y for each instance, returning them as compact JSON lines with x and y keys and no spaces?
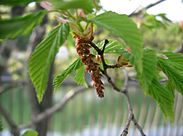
{"x":136,"y":13}
{"x":124,"y":91}
{"x":126,"y":78}
{"x":153,"y":4}
{"x":138,"y":126}
{"x":125,"y":130}
{"x":130,"y":116}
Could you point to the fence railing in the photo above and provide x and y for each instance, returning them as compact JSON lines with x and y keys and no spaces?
{"x":88,"y":115}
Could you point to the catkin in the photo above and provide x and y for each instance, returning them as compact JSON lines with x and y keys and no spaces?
{"x":89,"y":60}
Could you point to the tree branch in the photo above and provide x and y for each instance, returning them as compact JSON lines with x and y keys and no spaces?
{"x":57,"y":107}
{"x":136,"y":13}
{"x":14,"y":128}
{"x":124,"y":91}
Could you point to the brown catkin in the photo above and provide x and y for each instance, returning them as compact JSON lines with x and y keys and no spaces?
{"x":88,"y":59}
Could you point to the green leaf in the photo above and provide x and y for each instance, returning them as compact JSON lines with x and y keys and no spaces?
{"x":126,"y":29}
{"x":152,"y":87}
{"x":86,"y":5}
{"x":151,"y":21}
{"x":170,"y":87}
{"x":175,"y":59}
{"x":80,"y":76}
{"x":73,"y":67}
{"x":22,"y":25}
{"x":174,"y":75}
{"x":149,"y":64}
{"x":30,"y":133}
{"x":164,"y":98}
{"x":16,"y":2}
{"x":42,"y":57}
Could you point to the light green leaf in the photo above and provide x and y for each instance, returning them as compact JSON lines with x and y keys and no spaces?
{"x":80,"y":76}
{"x":171,"y":69}
{"x":164,"y":98}
{"x":60,"y":78}
{"x":126,"y":29}
{"x":86,"y":5}
{"x":30,"y":133}
{"x":151,"y":21}
{"x":11,"y":28}
{"x":149,"y":64}
{"x":42,"y":57}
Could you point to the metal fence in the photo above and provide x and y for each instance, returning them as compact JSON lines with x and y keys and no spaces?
{"x":87,"y":115}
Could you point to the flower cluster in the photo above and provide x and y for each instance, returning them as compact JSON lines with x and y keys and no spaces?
{"x":90,"y":61}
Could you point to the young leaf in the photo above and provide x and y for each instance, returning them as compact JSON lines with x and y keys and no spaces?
{"x":151,"y":21}
{"x":86,"y":5}
{"x":30,"y":133}
{"x":164,"y":98}
{"x":80,"y":76}
{"x":60,"y":78}
{"x":126,"y":29}
{"x":174,"y":75}
{"x":11,"y":28}
{"x":42,"y":57}
{"x":149,"y":68}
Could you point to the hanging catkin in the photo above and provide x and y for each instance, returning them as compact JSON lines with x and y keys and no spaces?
{"x":89,"y":60}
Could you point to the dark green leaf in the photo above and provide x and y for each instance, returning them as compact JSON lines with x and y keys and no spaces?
{"x":173,"y":73}
{"x":11,"y":28}
{"x":80,"y":76}
{"x":170,"y":87}
{"x":73,"y":67}
{"x":30,"y":133}
{"x":175,"y":59}
{"x":149,"y":64}
{"x":16,"y":2}
{"x":125,"y":28}
{"x":86,"y":5}
{"x":152,"y":87}
{"x":42,"y":57}
{"x":164,"y":98}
